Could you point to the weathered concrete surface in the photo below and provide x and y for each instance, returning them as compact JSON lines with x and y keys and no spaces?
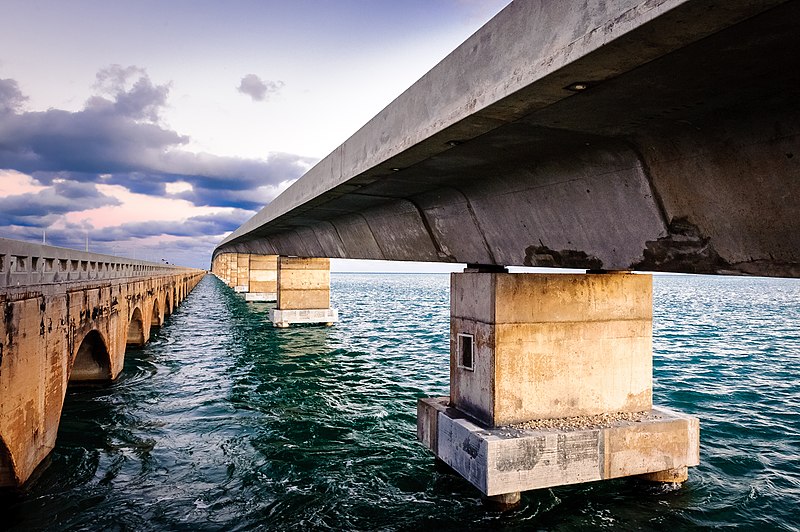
{"x":304,"y":292}
{"x":62,"y":326}
{"x":506,"y":460}
{"x":680,"y":156}
{"x":551,"y":345}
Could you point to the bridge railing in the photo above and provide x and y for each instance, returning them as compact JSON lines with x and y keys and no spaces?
{"x":24,"y":263}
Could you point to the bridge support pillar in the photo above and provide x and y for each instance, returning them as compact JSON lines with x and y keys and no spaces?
{"x":304,"y":292}
{"x":229,"y":274}
{"x":222,"y":268}
{"x":263,"y":280}
{"x":240,"y":274}
{"x":551,"y":384}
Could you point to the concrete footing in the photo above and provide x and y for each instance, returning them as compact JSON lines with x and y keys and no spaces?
{"x":506,"y":460}
{"x":284,"y":318}
{"x":261,"y":296}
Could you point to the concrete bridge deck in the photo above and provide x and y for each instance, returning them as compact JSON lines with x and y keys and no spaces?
{"x":67,"y":318}
{"x":655,"y":135}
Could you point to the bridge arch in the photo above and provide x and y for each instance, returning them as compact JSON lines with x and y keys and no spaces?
{"x":92,"y":361}
{"x":136,"y":328}
{"x":167,"y":302}
{"x":155,"y":316}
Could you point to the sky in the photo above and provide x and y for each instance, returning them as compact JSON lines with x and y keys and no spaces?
{"x":152,"y":129}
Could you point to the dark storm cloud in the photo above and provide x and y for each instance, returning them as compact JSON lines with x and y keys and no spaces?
{"x":42,"y":208}
{"x":250,"y":187}
{"x":258,"y":89}
{"x":209,"y":225}
{"x":117,"y":139}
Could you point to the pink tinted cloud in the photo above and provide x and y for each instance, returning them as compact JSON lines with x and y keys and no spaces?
{"x":13,"y":183}
{"x":137,"y":208}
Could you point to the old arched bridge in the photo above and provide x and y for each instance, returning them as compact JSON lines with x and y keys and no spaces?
{"x":68,"y":317}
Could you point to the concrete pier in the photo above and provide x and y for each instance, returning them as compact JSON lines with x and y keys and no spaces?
{"x":241,"y":274}
{"x":551,"y":384}
{"x":255,"y":276}
{"x":304,"y":292}
{"x":263,"y":282}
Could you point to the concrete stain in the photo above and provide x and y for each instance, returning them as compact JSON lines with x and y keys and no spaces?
{"x":683,"y":249}
{"x":469,"y":447}
{"x":8,"y":315}
{"x":530,"y":451}
{"x":562,"y":453}
{"x":543,"y":256}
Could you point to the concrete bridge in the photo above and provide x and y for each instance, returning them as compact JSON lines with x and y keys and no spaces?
{"x":651,"y":135}
{"x":655,"y":135}
{"x":67,"y":319}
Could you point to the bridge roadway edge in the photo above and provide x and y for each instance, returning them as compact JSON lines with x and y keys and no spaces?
{"x":56,"y":332}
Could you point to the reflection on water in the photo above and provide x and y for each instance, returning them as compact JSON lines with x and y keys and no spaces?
{"x":223,"y":422}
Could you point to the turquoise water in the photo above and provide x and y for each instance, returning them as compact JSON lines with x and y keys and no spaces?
{"x":224,"y":423}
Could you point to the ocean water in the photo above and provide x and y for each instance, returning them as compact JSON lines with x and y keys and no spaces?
{"x":223,"y":423}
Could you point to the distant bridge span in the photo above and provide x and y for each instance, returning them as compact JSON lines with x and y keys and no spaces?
{"x":655,"y":135}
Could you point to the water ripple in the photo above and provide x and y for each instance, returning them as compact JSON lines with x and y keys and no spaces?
{"x":224,"y":423}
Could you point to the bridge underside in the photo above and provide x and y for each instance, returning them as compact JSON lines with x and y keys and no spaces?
{"x":689,"y":162}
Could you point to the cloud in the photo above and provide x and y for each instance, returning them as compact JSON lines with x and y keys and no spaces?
{"x":189,"y":242}
{"x":45,"y":207}
{"x":11,"y":98}
{"x":117,"y":139}
{"x":128,"y":92}
{"x":197,"y":226}
{"x":68,"y":167}
{"x":258,"y":89}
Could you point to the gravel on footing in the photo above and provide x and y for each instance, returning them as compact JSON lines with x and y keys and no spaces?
{"x":598,"y":421}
